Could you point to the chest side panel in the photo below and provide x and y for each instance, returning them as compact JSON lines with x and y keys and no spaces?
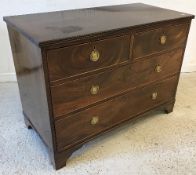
{"x":30,"y":76}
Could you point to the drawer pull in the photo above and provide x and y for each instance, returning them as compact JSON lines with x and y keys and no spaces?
{"x":163,"y":39}
{"x":94,"y":56}
{"x":94,"y":90}
{"x":154,"y":95}
{"x":158,"y":68}
{"x":94,"y":120}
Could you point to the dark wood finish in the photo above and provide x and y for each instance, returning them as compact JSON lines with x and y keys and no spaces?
{"x":59,"y":159}
{"x":51,"y":56}
{"x":74,"y":95}
{"x":30,"y":76}
{"x":70,"y":61}
{"x":51,"y":28}
{"x":127,"y":105}
{"x":62,"y":157}
{"x":147,"y":43}
{"x":169,"y":107}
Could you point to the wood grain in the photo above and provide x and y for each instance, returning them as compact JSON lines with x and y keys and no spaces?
{"x":51,"y":56}
{"x":54,"y":27}
{"x":112,"y":112}
{"x":148,"y":42}
{"x":31,"y":81}
{"x":75,"y":94}
{"x":70,"y":61}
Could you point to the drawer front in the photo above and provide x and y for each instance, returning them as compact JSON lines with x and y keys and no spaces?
{"x":73,"y":95}
{"x":153,"y":41}
{"x":78,"y":59}
{"x":94,"y":120}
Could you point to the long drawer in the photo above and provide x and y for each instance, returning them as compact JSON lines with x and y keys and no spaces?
{"x":74,"y":95}
{"x":96,"y":119}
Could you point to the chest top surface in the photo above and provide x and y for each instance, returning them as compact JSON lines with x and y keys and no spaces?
{"x":44,"y":28}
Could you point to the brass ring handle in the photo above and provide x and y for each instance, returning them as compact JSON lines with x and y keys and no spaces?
{"x":94,"y":56}
{"x":154,"y":95}
{"x":163,"y":39}
{"x":94,"y":120}
{"x":158,"y":68}
{"x":94,"y":89}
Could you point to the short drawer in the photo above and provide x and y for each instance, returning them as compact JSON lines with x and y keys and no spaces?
{"x":153,"y":41}
{"x":94,"y":120}
{"x":76,"y":94}
{"x":78,"y":59}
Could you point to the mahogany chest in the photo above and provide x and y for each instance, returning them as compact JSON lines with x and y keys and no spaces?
{"x":84,"y":72}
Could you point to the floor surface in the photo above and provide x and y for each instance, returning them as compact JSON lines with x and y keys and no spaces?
{"x":159,"y":144}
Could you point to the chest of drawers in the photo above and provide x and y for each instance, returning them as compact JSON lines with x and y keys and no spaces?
{"x":84,"y":72}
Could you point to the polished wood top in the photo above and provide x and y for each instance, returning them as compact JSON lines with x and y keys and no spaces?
{"x":46,"y":28}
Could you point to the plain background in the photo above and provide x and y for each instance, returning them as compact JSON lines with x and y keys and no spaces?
{"x":18,"y":7}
